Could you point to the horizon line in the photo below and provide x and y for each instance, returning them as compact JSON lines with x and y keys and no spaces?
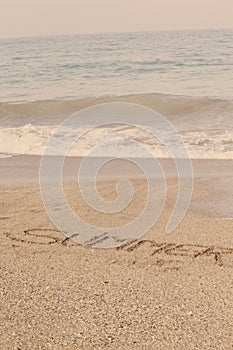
{"x":114,"y":32}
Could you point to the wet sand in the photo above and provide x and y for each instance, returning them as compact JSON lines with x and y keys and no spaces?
{"x":160,"y":292}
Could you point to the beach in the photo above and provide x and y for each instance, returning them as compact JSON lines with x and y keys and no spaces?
{"x":162,"y":291}
{"x":116,"y":188}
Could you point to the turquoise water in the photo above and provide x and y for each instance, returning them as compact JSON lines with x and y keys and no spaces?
{"x":194,"y":63}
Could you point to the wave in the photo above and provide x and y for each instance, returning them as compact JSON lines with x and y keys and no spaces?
{"x":30,"y":139}
{"x":169,"y":105}
{"x":205,"y":124}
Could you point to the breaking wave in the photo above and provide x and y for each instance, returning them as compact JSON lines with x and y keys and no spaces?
{"x":205,"y":124}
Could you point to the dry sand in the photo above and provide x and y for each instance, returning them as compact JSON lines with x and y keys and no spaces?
{"x":161,"y":292}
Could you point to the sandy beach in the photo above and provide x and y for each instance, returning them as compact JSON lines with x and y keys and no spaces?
{"x":160,"y":292}
{"x":116,"y":175}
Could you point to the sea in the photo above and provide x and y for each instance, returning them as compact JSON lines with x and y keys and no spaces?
{"x":187,"y":76}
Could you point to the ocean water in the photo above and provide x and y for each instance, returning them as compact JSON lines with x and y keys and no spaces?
{"x":186,"y":76}
{"x":197,"y":63}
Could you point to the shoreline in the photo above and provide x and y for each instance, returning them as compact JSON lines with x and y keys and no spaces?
{"x":25,"y":168}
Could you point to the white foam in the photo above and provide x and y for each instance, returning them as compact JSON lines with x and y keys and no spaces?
{"x":4,"y":156}
{"x":31,"y":139}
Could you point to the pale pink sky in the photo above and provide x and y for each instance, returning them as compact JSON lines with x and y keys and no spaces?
{"x":45,"y":17}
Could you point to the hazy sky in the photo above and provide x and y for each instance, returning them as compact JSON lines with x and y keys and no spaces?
{"x":44,"y":17}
